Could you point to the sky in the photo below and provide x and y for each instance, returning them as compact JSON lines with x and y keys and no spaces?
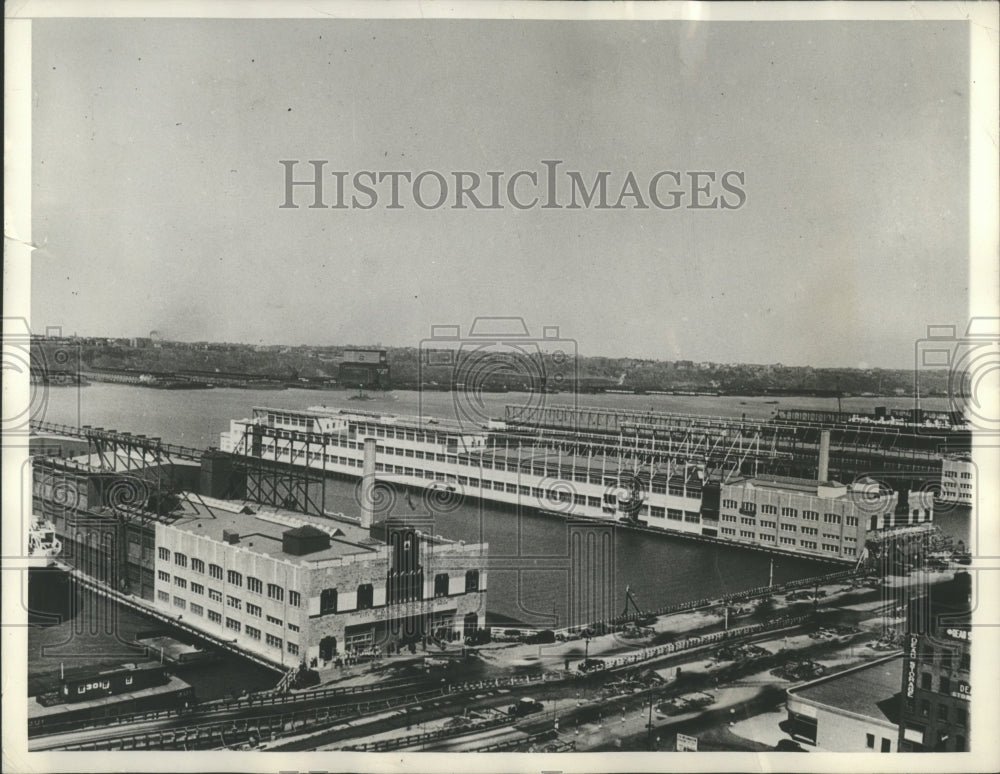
{"x":157,"y":182}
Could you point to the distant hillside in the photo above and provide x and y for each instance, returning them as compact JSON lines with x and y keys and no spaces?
{"x":585,"y":374}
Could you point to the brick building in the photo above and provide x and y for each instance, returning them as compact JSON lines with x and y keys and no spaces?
{"x":937,"y":659}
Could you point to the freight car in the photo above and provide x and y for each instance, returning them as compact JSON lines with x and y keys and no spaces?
{"x":125,"y":679}
{"x":47,"y":715}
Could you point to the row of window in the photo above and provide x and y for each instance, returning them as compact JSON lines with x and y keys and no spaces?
{"x":232,"y":623}
{"x":953,"y":484}
{"x":365,"y":595}
{"x":870,"y":743}
{"x":216,"y":596}
{"x":512,"y":467}
{"x":944,"y":683}
{"x":748,"y":507}
{"x":379,"y":432}
{"x":944,"y":715}
{"x":787,"y":541}
{"x":675,"y":514}
{"x":233,"y":578}
{"x":944,"y":658}
{"x":328,"y":597}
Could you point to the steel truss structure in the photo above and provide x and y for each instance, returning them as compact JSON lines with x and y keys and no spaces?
{"x":774,"y":446}
{"x":291,"y":484}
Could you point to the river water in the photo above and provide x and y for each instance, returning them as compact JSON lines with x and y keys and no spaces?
{"x":196,"y":417}
{"x":536,"y":574}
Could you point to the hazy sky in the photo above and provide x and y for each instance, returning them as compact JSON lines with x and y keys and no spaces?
{"x":157,"y":182}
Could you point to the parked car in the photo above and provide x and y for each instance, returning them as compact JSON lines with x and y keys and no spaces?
{"x":524,"y":706}
{"x":541,"y":637}
{"x":591,"y":664}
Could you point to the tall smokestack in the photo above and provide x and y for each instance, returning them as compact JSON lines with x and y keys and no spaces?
{"x":823,"y":474}
{"x":368,"y":485}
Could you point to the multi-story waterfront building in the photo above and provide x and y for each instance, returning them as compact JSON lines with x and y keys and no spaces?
{"x":818,"y":517}
{"x":282,"y":586}
{"x":598,"y":478}
{"x":430,"y":453}
{"x":291,"y":587}
{"x":958,"y":479}
{"x":936,"y":683}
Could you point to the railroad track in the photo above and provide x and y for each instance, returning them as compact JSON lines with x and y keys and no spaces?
{"x":254,"y":703}
{"x":266,"y":724}
{"x":269,"y":725}
{"x":233,"y":732}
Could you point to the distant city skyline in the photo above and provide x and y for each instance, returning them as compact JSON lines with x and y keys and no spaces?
{"x":157,"y":183}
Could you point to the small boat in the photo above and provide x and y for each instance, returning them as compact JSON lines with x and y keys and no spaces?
{"x":43,"y":545}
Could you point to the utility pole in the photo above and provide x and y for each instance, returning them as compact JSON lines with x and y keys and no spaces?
{"x":649,"y":724}
{"x":770,"y":581}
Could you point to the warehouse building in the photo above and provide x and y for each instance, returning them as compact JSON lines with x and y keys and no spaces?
{"x":295,"y":588}
{"x":856,"y":710}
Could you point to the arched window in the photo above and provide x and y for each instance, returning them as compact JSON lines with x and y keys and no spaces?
{"x":328,"y":601}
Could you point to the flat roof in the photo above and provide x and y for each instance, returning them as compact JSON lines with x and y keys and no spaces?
{"x":788,"y":483}
{"x":542,"y":455}
{"x":262,"y":529}
{"x":135,"y":461}
{"x":872,"y":690}
{"x":425,"y":424}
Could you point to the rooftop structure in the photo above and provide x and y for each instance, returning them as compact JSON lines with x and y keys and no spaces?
{"x":263,"y":529}
{"x":856,"y":710}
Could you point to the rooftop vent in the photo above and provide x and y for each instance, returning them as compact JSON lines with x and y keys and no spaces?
{"x":230,"y":536}
{"x":304,"y":540}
